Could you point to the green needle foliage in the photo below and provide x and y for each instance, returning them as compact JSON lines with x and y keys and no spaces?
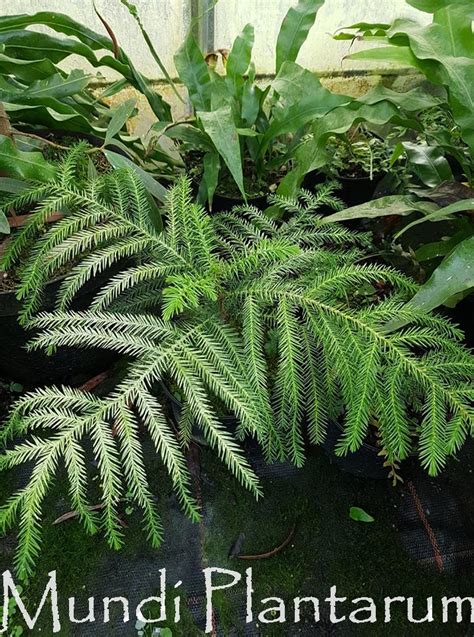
{"x":267,"y":320}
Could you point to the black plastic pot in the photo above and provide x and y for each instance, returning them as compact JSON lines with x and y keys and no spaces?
{"x":229,"y":422}
{"x":222,"y":203}
{"x":364,"y":463}
{"x":313,"y":179}
{"x":35,"y":369}
{"x":358,"y":190}
{"x":456,"y":168}
{"x":463,"y":315}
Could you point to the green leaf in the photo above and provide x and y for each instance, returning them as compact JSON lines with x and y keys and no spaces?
{"x":398,"y":205}
{"x":220,"y":127}
{"x":295,"y":83}
{"x":240,"y":56}
{"x":399,"y":55}
{"x":194,"y":73}
{"x":442,"y":248}
{"x":4,"y":226}
{"x":31,"y":45}
{"x":295,"y":29}
{"x":27,"y":70}
{"x":454,"y":275}
{"x":14,"y":186}
{"x":58,"y":22}
{"x":113,"y":89}
{"x":312,"y":154}
{"x":409,"y":101}
{"x":428,"y":163}
{"x":212,"y":166}
{"x":51,"y":114}
{"x":444,"y":52}
{"x":56,"y":86}
{"x":370,"y":26}
{"x":359,"y":515}
{"x":441,"y":214}
{"x":191,"y":135}
{"x":247,"y":132}
{"x":21,"y":165}
{"x":135,"y":15}
{"x":431,"y":6}
{"x":299,"y":115}
{"x":121,"y":115}
{"x":154,"y":187}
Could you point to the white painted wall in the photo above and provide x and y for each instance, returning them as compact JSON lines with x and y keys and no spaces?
{"x":165,"y":20}
{"x":320,"y":52}
{"x":168,"y":20}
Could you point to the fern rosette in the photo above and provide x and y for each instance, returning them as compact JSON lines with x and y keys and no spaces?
{"x":262,"y":317}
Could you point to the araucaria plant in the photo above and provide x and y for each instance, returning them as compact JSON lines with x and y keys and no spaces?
{"x":269,"y":321}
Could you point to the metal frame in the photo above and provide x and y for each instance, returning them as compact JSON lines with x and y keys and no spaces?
{"x":203,"y":23}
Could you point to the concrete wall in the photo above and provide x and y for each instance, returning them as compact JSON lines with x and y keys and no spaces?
{"x":321,"y":52}
{"x":168,"y":20}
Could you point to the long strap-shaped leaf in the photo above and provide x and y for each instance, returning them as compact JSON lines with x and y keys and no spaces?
{"x":295,"y":29}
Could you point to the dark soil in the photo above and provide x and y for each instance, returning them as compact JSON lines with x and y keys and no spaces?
{"x":255,"y":186}
{"x":327,"y":548}
{"x":7,"y":397}
{"x":9,"y":280}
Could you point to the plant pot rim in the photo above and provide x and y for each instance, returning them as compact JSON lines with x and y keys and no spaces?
{"x":5,"y":293}
{"x":368,"y":446}
{"x":249,"y":198}
{"x":376,"y":177}
{"x":365,"y":445}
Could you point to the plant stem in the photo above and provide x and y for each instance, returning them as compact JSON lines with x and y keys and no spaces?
{"x":49,"y":142}
{"x":5,"y":128}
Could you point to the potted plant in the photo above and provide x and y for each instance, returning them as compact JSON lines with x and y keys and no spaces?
{"x":242,"y":137}
{"x":441,"y":131}
{"x":359,"y":160}
{"x":443,"y":50}
{"x":447,"y":258}
{"x":434,"y":155}
{"x":269,"y":319}
{"x":48,"y":107}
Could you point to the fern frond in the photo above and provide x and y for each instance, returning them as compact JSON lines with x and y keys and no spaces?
{"x":289,"y":383}
{"x":212,"y":429}
{"x":128,"y":279}
{"x":169,"y":450}
{"x":267,"y":320}
{"x":127,"y":427}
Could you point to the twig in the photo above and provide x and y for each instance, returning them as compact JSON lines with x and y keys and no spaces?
{"x":438,"y":558}
{"x":70,"y":515}
{"x":108,"y":28}
{"x":5,"y":128}
{"x":273,"y":552}
{"x":94,"y":382}
{"x":42,"y":139}
{"x":17,"y":221}
{"x":50,"y":143}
